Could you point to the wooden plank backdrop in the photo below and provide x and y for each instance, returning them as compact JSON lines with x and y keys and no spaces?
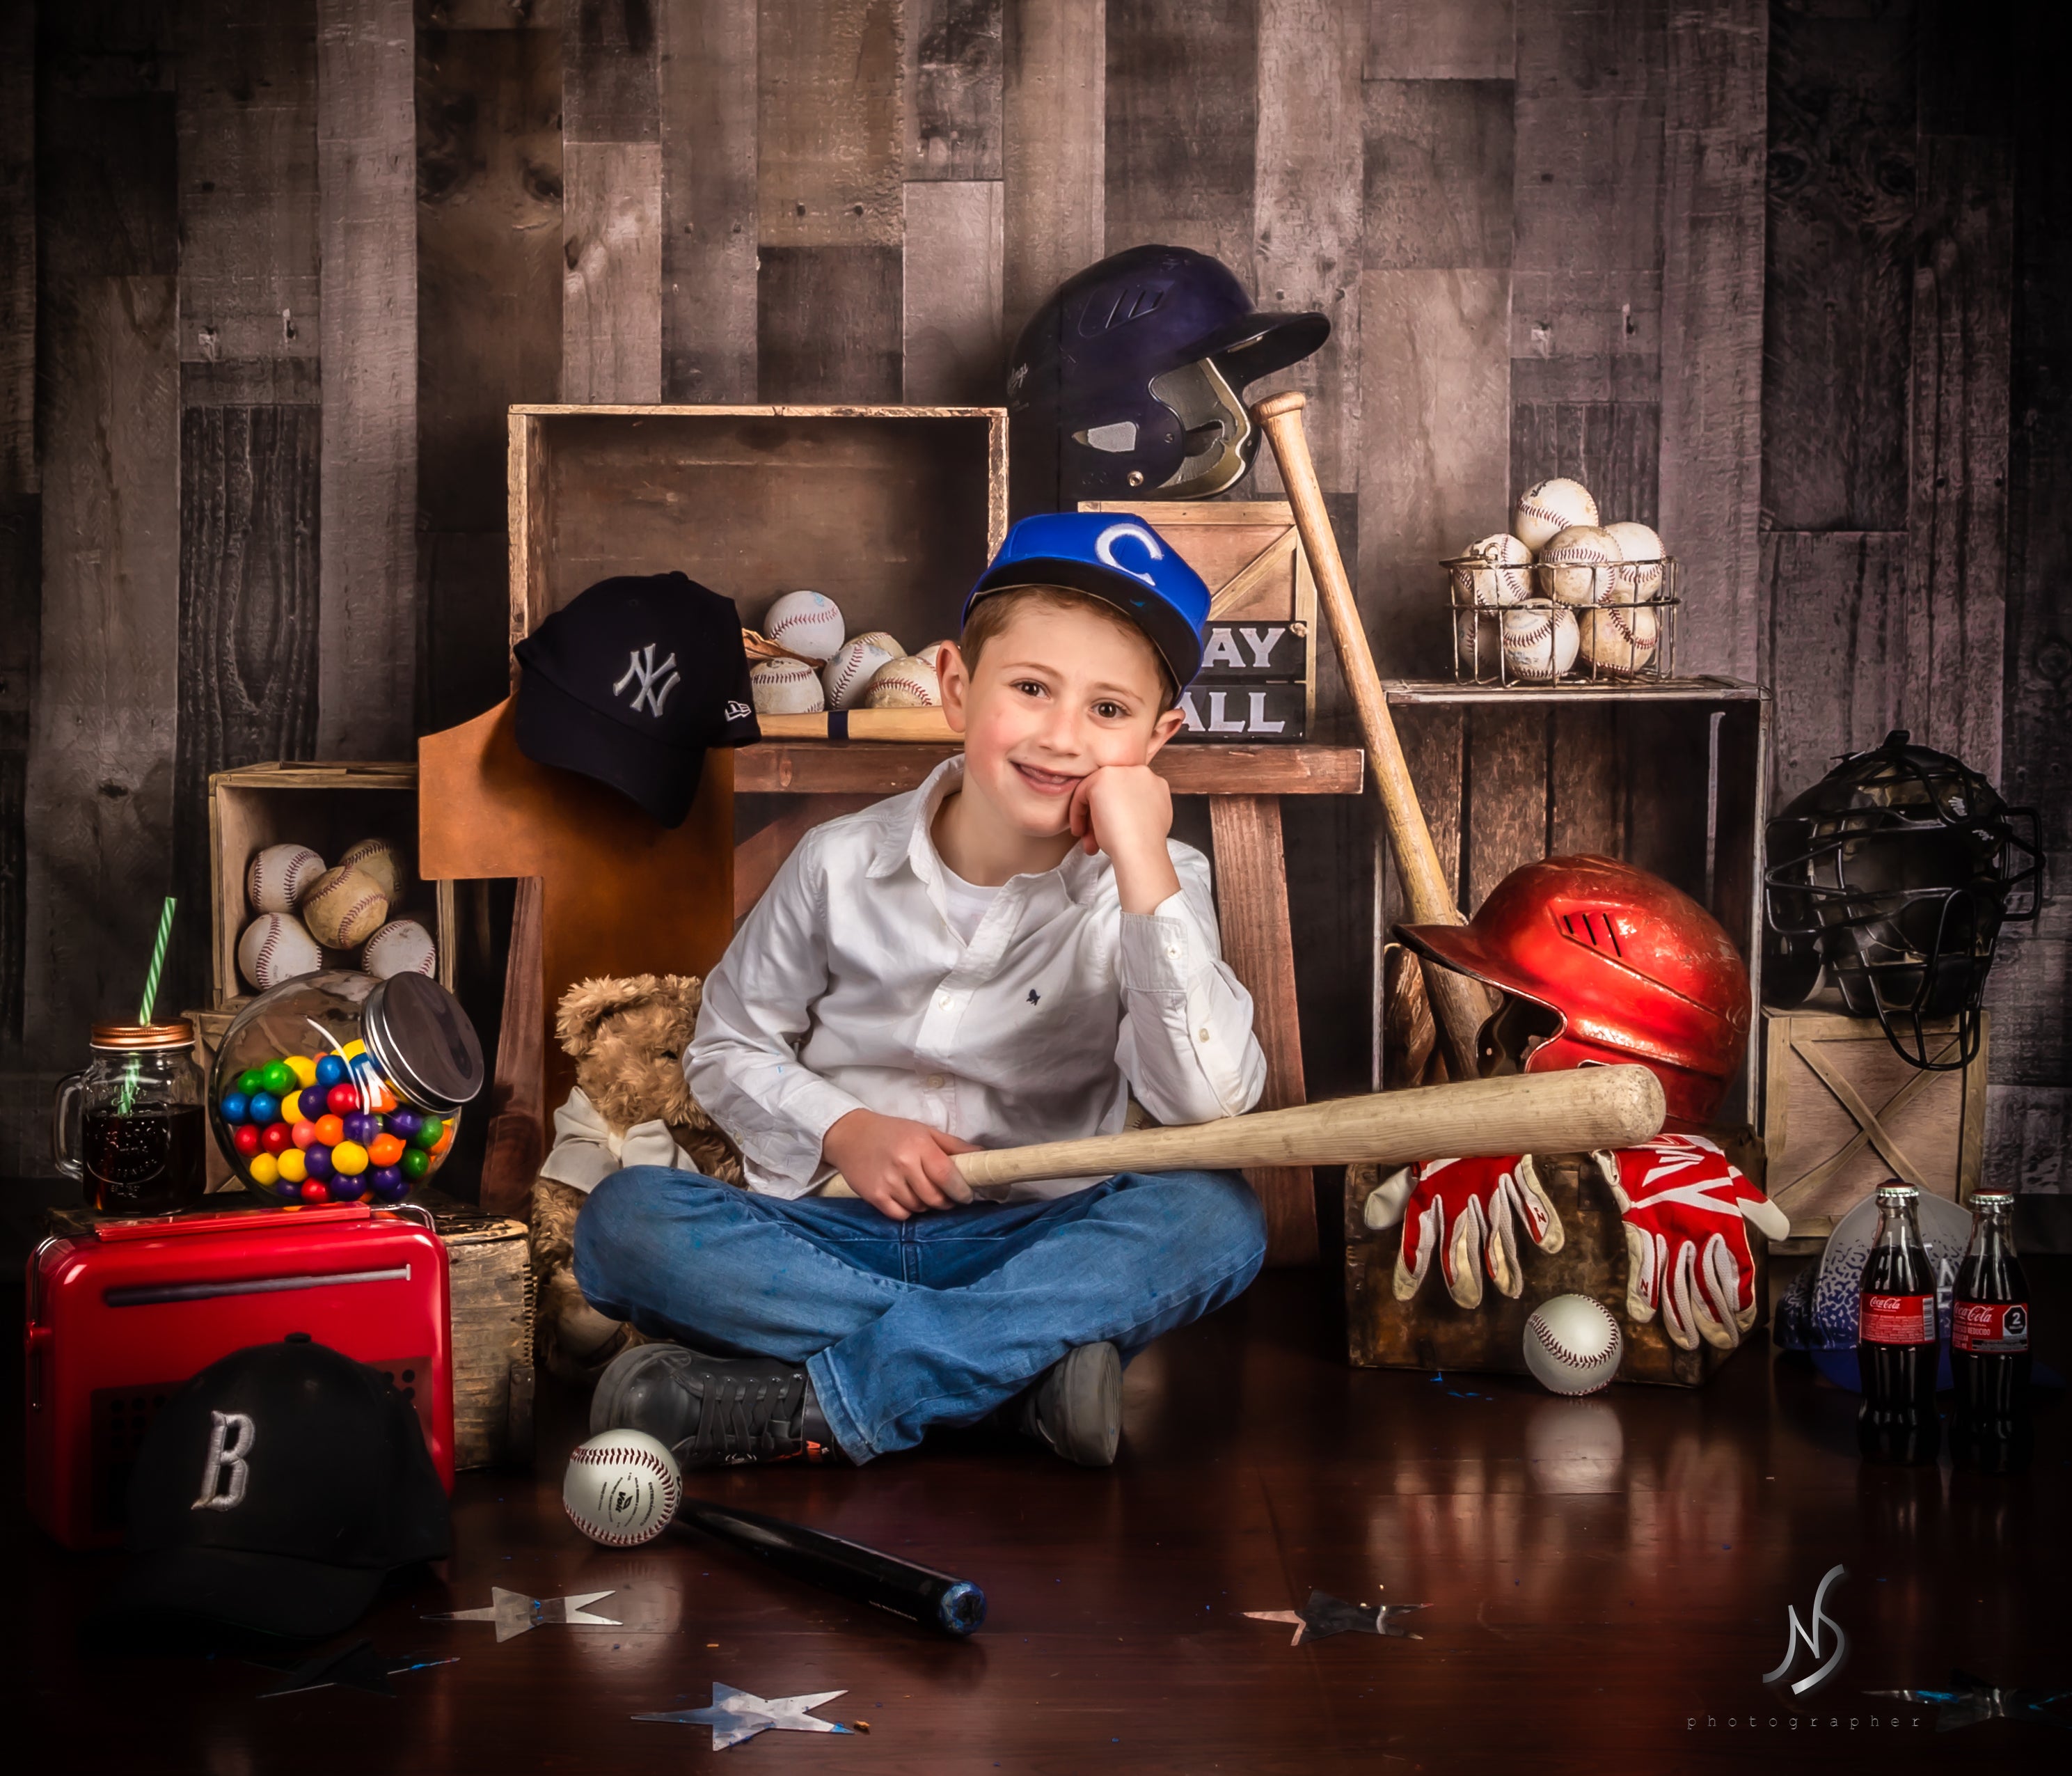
{"x":1788,"y":277}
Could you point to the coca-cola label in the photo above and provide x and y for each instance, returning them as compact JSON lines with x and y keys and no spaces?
{"x":1988,"y":1329}
{"x":1897,"y":1318}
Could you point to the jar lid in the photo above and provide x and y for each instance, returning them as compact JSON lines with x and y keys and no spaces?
{"x":178,"y":1034}
{"x":423,"y":1042}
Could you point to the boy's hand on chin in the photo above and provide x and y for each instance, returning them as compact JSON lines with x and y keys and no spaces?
{"x":900,"y":1168}
{"x":1127,"y":810}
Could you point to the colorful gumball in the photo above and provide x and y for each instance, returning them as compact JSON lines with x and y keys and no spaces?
{"x":251,"y":1079}
{"x":349,"y":1157}
{"x":304,"y":1133}
{"x":348,"y":1189}
{"x":384,"y":1149}
{"x":387,"y":1185}
{"x":404,"y":1122}
{"x":263,"y":1169}
{"x":304,"y":1070}
{"x":317,"y":1160}
{"x":292,"y":1166}
{"x":331,"y":1130}
{"x":445,"y":1141}
{"x":330,"y":1070}
{"x":288,"y":1190}
{"x":278,"y":1076}
{"x":362,"y":1125}
{"x":416,"y":1162}
{"x":342,"y":1098}
{"x":264,"y":1108}
{"x":429,"y":1131}
{"x":245,"y":1139}
{"x":353,"y":1049}
{"x":235,"y":1107}
{"x":315,"y":1191}
{"x":291,"y":1107}
{"x":277,"y":1138}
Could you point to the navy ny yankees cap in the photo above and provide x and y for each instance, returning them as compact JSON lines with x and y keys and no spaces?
{"x":1120,"y":560}
{"x":274,"y":1493}
{"x":630,"y":683}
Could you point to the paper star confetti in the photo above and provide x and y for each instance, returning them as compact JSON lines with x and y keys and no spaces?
{"x":1969,"y":1699}
{"x":1325,"y":1615}
{"x":735,"y":1714}
{"x":357,"y":1666}
{"x":516,"y":1613}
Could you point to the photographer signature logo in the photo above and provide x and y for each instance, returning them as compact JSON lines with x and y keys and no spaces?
{"x":1814,"y":1642}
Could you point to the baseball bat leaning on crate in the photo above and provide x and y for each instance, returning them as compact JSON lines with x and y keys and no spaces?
{"x":1459,"y":1005}
{"x":1536,"y":1113}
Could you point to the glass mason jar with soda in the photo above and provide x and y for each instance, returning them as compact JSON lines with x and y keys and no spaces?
{"x":142,"y":1148}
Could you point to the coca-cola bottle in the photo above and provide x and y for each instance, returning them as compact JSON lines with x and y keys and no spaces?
{"x":1895,"y":1343}
{"x":1989,"y":1344}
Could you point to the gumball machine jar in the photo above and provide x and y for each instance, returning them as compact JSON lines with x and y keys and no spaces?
{"x":337,"y":1087}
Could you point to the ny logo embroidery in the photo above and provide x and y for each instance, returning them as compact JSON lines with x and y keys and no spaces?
{"x":229,"y":1443}
{"x":644,"y":669}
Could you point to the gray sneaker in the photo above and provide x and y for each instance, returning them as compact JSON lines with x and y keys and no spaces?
{"x":713,"y":1412}
{"x":1075,"y":1406}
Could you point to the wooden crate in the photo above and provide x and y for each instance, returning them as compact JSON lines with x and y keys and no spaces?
{"x":1431,"y":1331}
{"x":326,"y":806}
{"x":1258,"y":680}
{"x":892,"y":511}
{"x":1668,"y":774}
{"x":490,"y":1294}
{"x":1842,"y":1113}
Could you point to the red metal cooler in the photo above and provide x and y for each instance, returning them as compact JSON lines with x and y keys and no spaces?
{"x":118,"y":1318}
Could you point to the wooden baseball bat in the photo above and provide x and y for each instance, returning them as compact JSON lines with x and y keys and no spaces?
{"x":1537,"y":1113}
{"x":1459,"y":1005}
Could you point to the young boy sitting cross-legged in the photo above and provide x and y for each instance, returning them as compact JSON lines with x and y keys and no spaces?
{"x":1000,"y":957}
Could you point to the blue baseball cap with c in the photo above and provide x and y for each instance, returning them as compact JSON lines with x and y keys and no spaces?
{"x":1118,"y":559}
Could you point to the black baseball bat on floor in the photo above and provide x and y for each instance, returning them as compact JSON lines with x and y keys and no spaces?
{"x":919,"y":1593}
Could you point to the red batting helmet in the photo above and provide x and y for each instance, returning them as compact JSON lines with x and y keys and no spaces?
{"x":1600,"y":962}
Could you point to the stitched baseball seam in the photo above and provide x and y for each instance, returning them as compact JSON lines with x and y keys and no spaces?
{"x":849,"y":672}
{"x":670,"y":1490}
{"x":266,"y":950}
{"x":398,"y":926}
{"x":887,"y":679}
{"x":1561,"y":1352}
{"x":353,"y":912}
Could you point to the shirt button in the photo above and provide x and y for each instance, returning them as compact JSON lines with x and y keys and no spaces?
{"x":944,"y":1000}
{"x":933,"y":1081}
{"x":1204,"y":1032}
{"x":1172,"y":950}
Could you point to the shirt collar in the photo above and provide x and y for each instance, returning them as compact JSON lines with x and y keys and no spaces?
{"x":908,"y":839}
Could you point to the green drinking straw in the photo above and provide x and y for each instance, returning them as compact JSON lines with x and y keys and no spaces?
{"x":150,"y":1000}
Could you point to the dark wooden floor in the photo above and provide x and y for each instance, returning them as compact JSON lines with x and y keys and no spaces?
{"x":1607,"y":1580}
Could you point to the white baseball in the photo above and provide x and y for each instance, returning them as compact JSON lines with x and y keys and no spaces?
{"x":1503,"y":581}
{"x":1580,"y":566}
{"x":1550,"y":507}
{"x":402,"y":946}
{"x":786,"y":687}
{"x":1617,"y":638}
{"x":1642,"y":550}
{"x":1572,"y":1344}
{"x":277,"y":947}
{"x":622,"y":1488}
{"x":891,"y":644}
{"x":345,"y":908}
{"x":382,"y":861}
{"x":848,"y":676}
{"x":1538,"y":641}
{"x":910,"y":683}
{"x":808,"y":623}
{"x":1478,"y":642}
{"x":280,"y":876}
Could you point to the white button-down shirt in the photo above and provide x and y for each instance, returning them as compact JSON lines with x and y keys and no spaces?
{"x":847,"y":988}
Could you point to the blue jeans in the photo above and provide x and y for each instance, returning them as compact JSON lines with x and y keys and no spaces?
{"x":934,"y":1320}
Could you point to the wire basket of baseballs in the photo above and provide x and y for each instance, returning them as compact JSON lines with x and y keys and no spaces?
{"x":1559,"y":597}
{"x":803,"y":660}
{"x":309,"y":915}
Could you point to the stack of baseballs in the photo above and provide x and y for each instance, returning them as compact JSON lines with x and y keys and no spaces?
{"x":830,"y":669}
{"x":1559,"y":590}
{"x":306,"y":908}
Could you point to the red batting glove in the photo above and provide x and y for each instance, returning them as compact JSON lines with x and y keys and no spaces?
{"x":1687,"y":1213}
{"x":1482,"y":1201}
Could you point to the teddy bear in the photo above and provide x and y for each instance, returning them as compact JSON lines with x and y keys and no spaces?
{"x":630,"y":1105}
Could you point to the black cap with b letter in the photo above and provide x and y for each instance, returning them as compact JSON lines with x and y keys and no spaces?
{"x":274,"y":1493}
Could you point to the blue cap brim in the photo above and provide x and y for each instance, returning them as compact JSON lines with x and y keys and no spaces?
{"x":1178,"y":645}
